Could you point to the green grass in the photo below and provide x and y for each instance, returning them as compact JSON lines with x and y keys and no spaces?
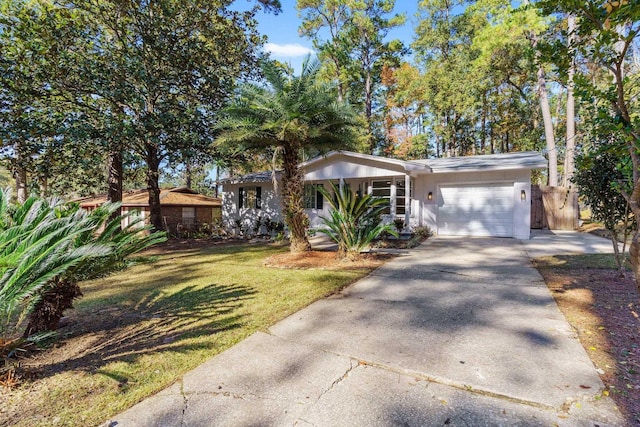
{"x":145,"y":327}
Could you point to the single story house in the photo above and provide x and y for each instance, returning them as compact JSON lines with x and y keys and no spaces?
{"x":182,"y":208}
{"x":486,"y":195}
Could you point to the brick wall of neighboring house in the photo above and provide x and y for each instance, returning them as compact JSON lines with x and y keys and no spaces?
{"x":204,"y":215}
{"x":173,"y":215}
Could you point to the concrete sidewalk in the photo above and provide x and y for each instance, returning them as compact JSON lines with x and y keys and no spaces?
{"x":459,"y":332}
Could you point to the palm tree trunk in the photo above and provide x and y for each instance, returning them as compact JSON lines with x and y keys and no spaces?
{"x":292,"y":188}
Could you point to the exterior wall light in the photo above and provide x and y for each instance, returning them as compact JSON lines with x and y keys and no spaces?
{"x":523,"y":195}
{"x":430,"y":196}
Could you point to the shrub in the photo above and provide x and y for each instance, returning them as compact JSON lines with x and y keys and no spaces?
{"x":354,"y":221}
{"x":422,"y":231}
{"x":399,"y":224}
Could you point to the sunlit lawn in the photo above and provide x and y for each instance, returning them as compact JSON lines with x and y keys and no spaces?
{"x":137,"y":332}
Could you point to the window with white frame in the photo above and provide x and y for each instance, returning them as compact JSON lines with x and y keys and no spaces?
{"x":312,"y":197}
{"x":401,"y":194}
{"x":382,"y":189}
{"x":135,"y":215}
{"x":250,"y":197}
{"x":189,"y":215}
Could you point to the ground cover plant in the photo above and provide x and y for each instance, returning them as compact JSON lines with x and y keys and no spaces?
{"x":136,"y":332}
{"x":603,"y":308}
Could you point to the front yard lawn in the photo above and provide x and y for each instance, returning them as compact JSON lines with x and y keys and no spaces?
{"x":136,"y":332}
{"x":604,"y":310}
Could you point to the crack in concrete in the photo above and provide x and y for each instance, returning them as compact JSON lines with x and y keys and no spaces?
{"x":351,"y":367}
{"x":457,"y":385}
{"x":185,"y":404}
{"x":238,"y":396}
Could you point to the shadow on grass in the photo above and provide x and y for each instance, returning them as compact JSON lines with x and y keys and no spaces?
{"x":171,"y":268}
{"x":159,"y":322}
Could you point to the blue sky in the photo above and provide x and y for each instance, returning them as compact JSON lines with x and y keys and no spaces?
{"x":286,"y":45}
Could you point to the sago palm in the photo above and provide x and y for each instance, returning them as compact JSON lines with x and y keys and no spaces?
{"x":44,"y":243}
{"x":289,"y":116}
{"x":105,"y":230}
{"x":354,"y":220}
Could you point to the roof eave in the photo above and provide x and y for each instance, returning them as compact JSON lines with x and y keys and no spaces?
{"x":490,"y":168}
{"x":408,"y":166}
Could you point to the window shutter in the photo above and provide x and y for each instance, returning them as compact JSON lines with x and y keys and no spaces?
{"x":258,"y":197}
{"x":319,"y":198}
{"x":240,"y":197}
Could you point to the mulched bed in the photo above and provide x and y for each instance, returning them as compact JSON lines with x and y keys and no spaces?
{"x":324,"y":260}
{"x":604,"y":309}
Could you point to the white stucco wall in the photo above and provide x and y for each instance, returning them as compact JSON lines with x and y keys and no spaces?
{"x":520,"y":178}
{"x":269,"y":206}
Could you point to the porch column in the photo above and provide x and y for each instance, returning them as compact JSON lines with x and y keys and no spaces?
{"x":393,"y":202}
{"x":341,"y":185}
{"x":407,"y":201}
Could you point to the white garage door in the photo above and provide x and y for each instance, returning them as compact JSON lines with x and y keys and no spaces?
{"x":476,"y":210}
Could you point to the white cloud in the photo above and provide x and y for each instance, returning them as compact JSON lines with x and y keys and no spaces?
{"x":287,"y":50}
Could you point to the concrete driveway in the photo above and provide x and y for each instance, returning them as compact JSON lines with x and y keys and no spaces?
{"x":458,"y":332}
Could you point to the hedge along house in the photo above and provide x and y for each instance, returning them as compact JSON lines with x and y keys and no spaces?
{"x":182,"y":209}
{"x":487,"y":195}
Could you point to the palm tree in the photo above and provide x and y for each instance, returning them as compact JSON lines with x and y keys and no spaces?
{"x":291,"y":115}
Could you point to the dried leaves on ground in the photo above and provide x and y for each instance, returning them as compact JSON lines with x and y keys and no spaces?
{"x":324,"y":260}
{"x":603,"y":307}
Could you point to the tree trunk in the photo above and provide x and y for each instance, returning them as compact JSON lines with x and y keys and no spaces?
{"x":20,"y":176}
{"x":548,"y":128}
{"x":153,"y":174}
{"x":292,"y":208}
{"x":47,"y":313}
{"x":217,"y":181}
{"x":187,"y":174}
{"x":114,"y":178}
{"x":634,"y":257}
{"x":368,"y":111}
{"x":546,"y":118}
{"x":570,"y":144}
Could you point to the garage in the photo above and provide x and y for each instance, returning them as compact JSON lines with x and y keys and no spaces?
{"x":475,"y":210}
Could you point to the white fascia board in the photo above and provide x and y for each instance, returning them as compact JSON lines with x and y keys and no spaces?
{"x":407,"y":165}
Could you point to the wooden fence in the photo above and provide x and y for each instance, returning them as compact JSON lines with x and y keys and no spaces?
{"x":554,"y":208}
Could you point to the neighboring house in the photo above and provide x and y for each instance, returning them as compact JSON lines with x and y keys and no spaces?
{"x":182,"y":208}
{"x":488,"y":195}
